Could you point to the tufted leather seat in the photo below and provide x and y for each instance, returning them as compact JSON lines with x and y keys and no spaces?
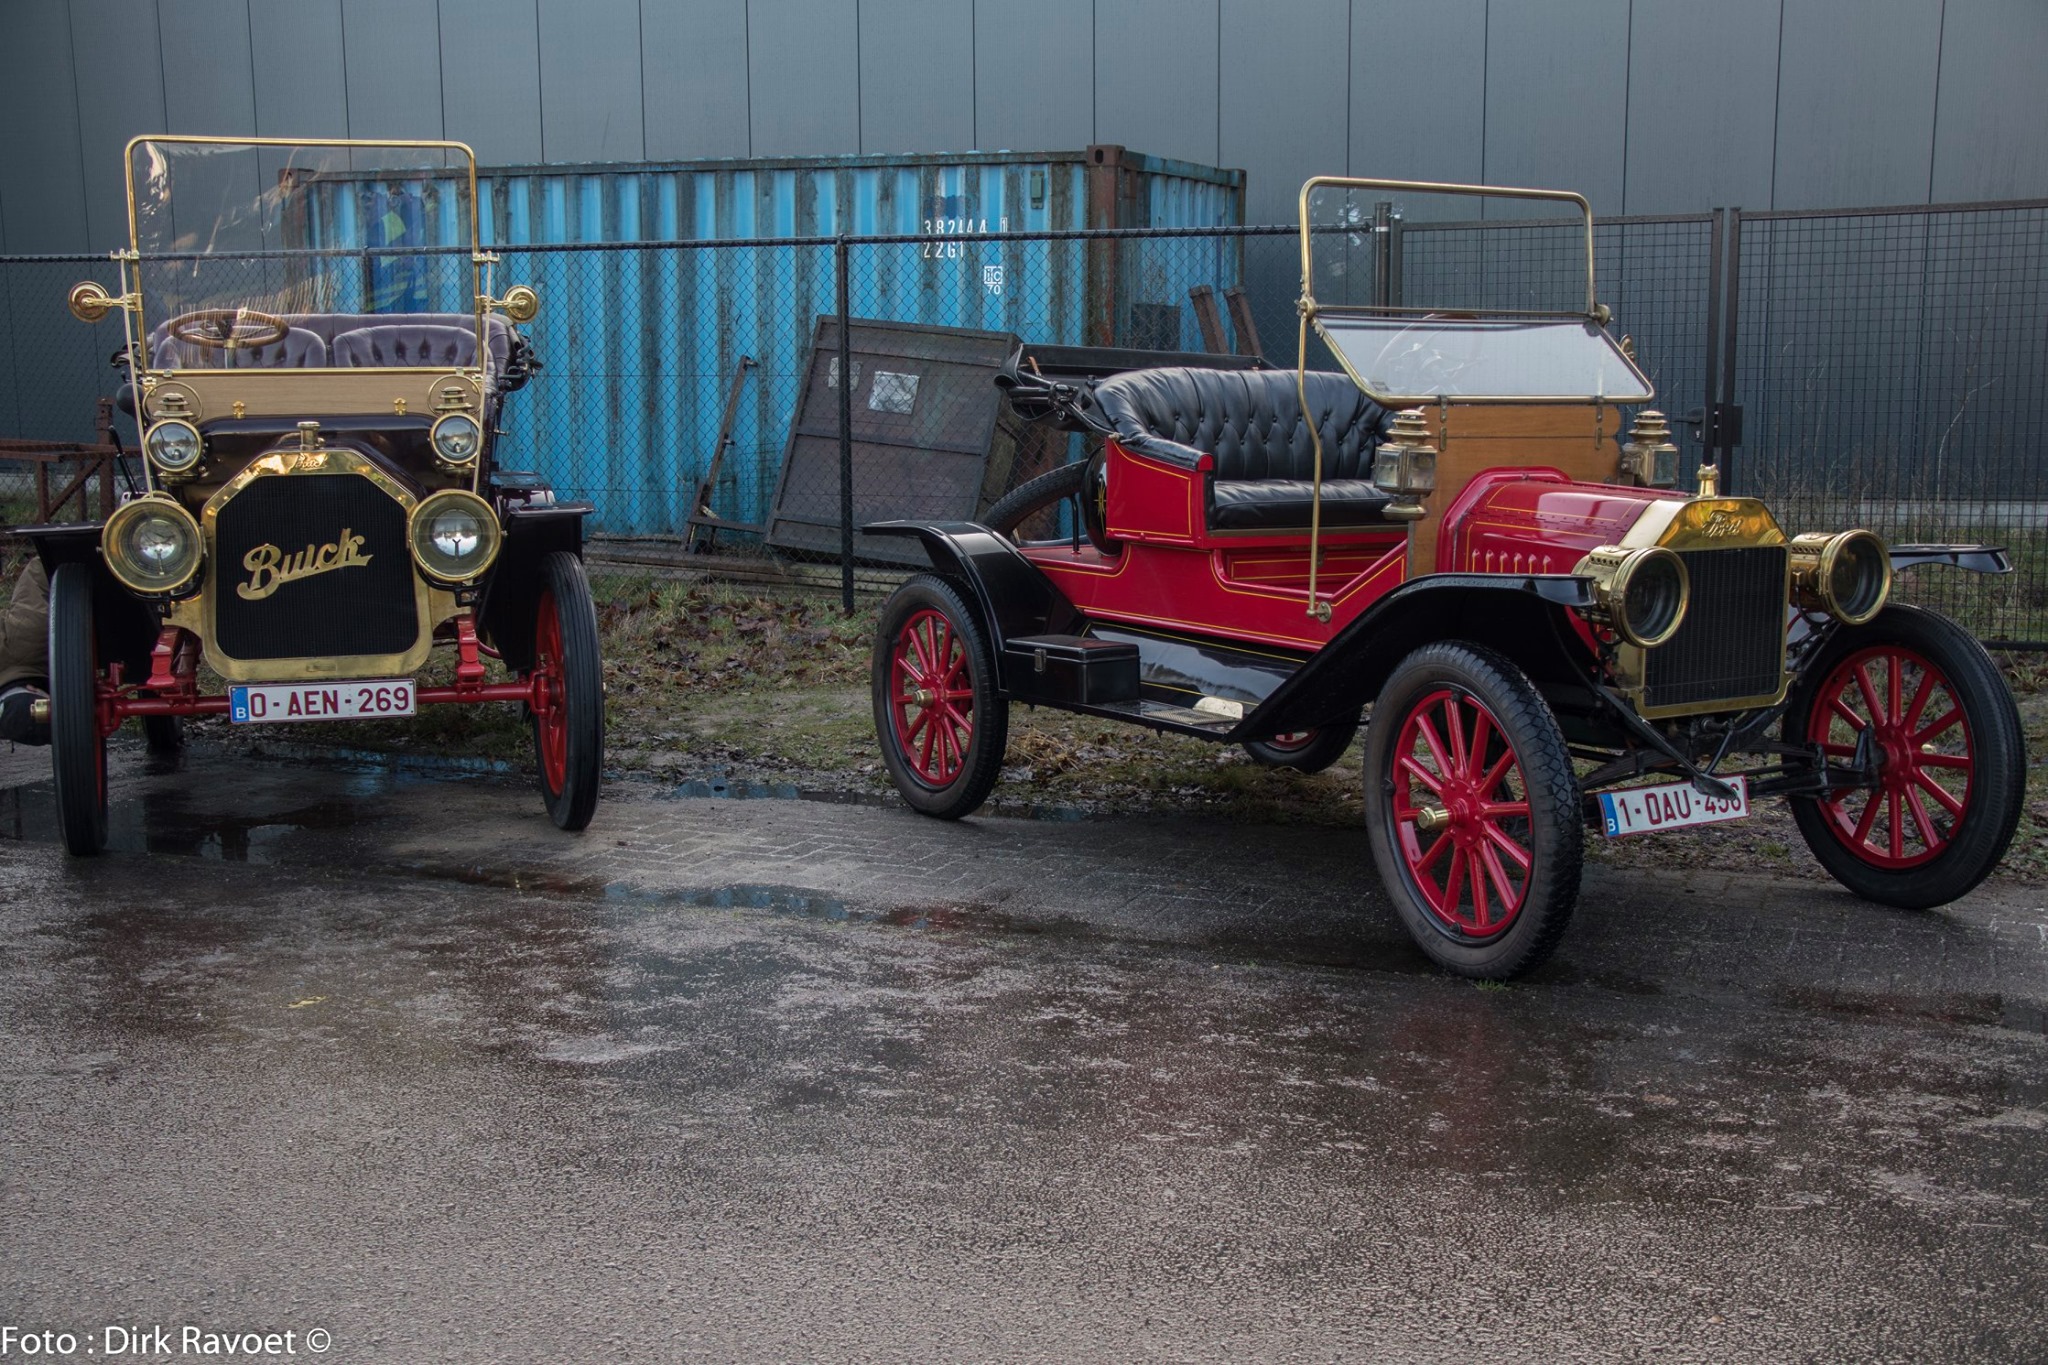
{"x":1252,"y":422}
{"x":406,"y":343}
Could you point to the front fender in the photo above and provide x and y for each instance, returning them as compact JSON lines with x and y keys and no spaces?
{"x":1525,"y":617}
{"x":1975,"y":558}
{"x":1008,"y":591}
{"x":505,"y":611}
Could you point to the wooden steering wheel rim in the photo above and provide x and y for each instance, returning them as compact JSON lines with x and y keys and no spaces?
{"x":230,"y":325}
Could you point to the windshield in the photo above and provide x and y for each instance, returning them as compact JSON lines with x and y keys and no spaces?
{"x":1402,"y":361}
{"x":292,"y":255}
{"x":1434,"y":291}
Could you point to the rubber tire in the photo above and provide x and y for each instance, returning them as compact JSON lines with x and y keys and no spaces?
{"x":78,"y":751}
{"x":1033,"y":495}
{"x":572,"y":806}
{"x":991,"y":737}
{"x":1998,"y":745}
{"x":1326,"y":744}
{"x":1556,"y":823}
{"x":164,"y":734}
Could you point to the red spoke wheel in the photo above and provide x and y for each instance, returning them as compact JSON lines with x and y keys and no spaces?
{"x":1305,"y":751}
{"x":1473,"y":811}
{"x":1915,"y":696}
{"x":78,"y":740}
{"x":568,"y":725}
{"x":941,"y":722}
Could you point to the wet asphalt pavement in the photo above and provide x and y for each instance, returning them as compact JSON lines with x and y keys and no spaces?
{"x":388,"y":1057}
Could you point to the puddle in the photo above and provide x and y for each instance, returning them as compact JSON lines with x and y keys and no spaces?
{"x":166,"y":824}
{"x":1998,"y":1011}
{"x":721,"y":787}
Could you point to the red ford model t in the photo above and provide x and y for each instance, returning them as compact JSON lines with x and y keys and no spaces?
{"x":1455,"y":536}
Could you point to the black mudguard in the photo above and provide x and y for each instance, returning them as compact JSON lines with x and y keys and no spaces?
{"x":1975,"y":558}
{"x":512,"y":592}
{"x":1013,"y":597}
{"x":124,"y":625}
{"x":1522,"y":617}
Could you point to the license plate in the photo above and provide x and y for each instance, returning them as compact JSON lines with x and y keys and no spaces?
{"x":1652,"y":810}
{"x":363,"y":699}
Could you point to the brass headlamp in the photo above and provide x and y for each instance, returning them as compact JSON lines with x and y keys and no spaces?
{"x":1847,"y":574}
{"x":1641,"y":594}
{"x":152,"y":545}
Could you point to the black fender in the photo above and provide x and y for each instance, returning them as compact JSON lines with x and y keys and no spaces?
{"x":1524,"y":617}
{"x":510,"y":594}
{"x":1008,"y":592}
{"x":1975,"y":558}
{"x":124,"y":625}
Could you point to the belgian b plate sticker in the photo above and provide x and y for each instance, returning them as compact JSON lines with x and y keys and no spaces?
{"x":1652,"y":810}
{"x":365,"y":699}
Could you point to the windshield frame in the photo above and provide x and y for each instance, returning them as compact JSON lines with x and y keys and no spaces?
{"x":134,"y":257}
{"x":1313,"y":312}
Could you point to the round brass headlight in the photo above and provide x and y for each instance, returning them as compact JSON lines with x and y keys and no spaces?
{"x":454,"y":536}
{"x":1849,"y":575}
{"x":1641,"y":593}
{"x":152,"y":545}
{"x":456,"y":439}
{"x":173,"y":445}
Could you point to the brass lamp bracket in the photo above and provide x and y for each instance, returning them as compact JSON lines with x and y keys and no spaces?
{"x":519,"y":303}
{"x":89,"y":301}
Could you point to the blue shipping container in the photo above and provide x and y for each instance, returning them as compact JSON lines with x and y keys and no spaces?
{"x":640,"y":346}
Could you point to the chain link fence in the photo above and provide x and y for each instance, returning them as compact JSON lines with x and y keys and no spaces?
{"x":1891,"y":366}
{"x":1889,"y":363}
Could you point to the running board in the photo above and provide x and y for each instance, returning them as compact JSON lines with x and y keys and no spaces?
{"x":1154,"y":715}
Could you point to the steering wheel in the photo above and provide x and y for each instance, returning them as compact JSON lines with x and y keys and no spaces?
{"x":228,"y":329}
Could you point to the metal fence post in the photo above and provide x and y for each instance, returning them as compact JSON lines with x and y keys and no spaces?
{"x":1728,"y":417}
{"x":841,"y":256}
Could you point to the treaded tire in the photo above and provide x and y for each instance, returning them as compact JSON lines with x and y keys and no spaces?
{"x":1996,"y":745}
{"x":78,"y":751}
{"x":1018,"y":505}
{"x":1540,"y":776}
{"x":569,"y":746}
{"x":944,"y":758}
{"x":1316,"y":750}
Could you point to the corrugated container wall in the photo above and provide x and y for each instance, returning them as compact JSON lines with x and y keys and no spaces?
{"x":639,"y":347}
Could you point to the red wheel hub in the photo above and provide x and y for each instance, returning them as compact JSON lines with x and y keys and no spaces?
{"x":1925,"y":760}
{"x":550,"y":712}
{"x":1461,"y":814}
{"x":931,"y":689}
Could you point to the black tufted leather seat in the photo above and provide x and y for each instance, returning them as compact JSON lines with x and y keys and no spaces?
{"x":1252,"y":422}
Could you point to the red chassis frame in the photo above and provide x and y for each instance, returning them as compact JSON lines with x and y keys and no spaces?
{"x":172,"y":686}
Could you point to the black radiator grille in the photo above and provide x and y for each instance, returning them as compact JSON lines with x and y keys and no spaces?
{"x":360,"y":608}
{"x":1732,"y":642}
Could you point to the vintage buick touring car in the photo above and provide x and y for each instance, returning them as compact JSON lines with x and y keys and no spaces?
{"x":1456,"y":534}
{"x":318,"y":366}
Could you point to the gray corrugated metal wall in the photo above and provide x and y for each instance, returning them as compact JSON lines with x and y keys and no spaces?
{"x":1650,"y":106}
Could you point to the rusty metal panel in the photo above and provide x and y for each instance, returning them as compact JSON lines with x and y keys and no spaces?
{"x":928,"y":437}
